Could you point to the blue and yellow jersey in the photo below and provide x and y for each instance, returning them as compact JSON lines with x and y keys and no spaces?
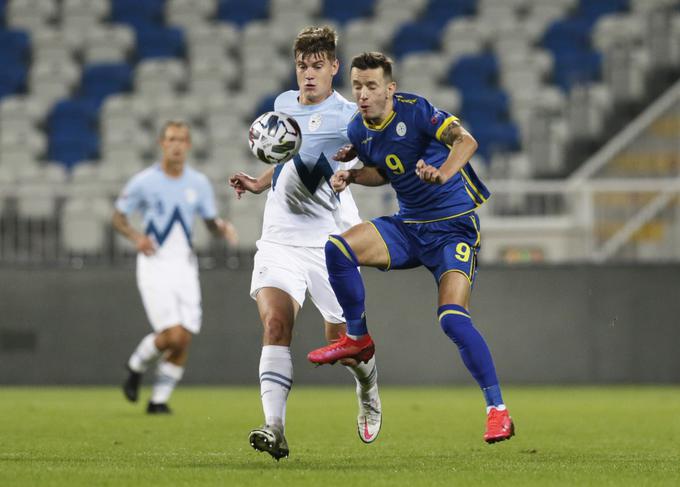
{"x":412,"y":132}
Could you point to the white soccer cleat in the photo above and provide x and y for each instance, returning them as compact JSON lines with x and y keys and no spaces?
{"x":369,"y":419}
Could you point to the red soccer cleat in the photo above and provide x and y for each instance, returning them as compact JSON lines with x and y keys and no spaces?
{"x":361,"y":350}
{"x":499,"y":426}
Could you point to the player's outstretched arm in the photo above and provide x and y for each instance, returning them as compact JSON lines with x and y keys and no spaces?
{"x":462,"y":145}
{"x":222,"y":229}
{"x":365,"y":176}
{"x":242,"y":182}
{"x":142,"y":242}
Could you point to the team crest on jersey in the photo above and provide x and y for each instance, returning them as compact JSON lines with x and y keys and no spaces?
{"x":401,"y":129}
{"x":191,"y":195}
{"x":314,"y":122}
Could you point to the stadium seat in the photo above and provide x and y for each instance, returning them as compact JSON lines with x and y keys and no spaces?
{"x":70,"y":149}
{"x":158,"y":42}
{"x":240,"y":12}
{"x":343,"y":12}
{"x":474,"y":71}
{"x":102,"y":80}
{"x":135,"y":12}
{"x":416,"y":37}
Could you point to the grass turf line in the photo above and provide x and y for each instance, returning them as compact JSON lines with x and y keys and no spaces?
{"x":431,"y":437}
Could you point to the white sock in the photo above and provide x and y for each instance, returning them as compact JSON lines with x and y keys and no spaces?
{"x":145,"y":353}
{"x":276,"y":379}
{"x":167,"y":377}
{"x":500,"y":407}
{"x":365,"y":374}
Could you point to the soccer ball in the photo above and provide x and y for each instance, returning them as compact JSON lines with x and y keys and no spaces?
{"x":274,"y":137}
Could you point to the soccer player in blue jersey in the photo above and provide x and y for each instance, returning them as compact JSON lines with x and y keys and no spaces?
{"x":170,"y":195}
{"x":423,"y":152}
{"x":301,"y":211}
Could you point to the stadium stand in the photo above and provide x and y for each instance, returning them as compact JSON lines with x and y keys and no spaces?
{"x":541,"y":84}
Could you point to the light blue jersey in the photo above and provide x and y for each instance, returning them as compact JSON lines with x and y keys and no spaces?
{"x":302,"y":209}
{"x":169,"y":206}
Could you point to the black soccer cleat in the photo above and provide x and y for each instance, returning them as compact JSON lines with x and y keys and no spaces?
{"x":131,"y":385}
{"x":158,"y":408}
{"x":269,"y":439}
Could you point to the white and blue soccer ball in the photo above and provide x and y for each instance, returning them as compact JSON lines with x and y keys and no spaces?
{"x":274,"y":137}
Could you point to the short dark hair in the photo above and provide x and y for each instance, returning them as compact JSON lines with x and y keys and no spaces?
{"x":316,"y":40}
{"x":174,"y":123}
{"x":373,"y":60}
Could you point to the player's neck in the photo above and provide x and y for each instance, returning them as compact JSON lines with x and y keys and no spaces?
{"x":307,"y":101}
{"x":172,"y":169}
{"x":379,"y":120}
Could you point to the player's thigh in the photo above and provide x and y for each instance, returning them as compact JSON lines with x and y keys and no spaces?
{"x":454,"y":288}
{"x":278,"y":266}
{"x":158,"y":298}
{"x":367,"y":244}
{"x":276,"y":308}
{"x":188,"y":295}
{"x":320,"y":290}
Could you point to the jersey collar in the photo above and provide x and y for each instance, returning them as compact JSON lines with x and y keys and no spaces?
{"x":384,"y":123}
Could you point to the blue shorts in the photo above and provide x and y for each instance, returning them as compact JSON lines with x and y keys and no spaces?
{"x":441,"y":246}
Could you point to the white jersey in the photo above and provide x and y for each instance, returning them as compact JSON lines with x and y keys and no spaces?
{"x":169,"y":206}
{"x":302,"y":209}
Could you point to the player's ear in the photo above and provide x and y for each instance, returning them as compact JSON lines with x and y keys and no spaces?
{"x":391,"y":88}
{"x":335,"y":66}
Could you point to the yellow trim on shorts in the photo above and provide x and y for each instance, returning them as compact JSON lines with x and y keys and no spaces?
{"x":439,"y":219}
{"x":456,"y":270}
{"x":443,"y":126}
{"x":479,"y":235}
{"x":341,"y":246}
{"x":452,"y":312}
{"x":389,"y":258}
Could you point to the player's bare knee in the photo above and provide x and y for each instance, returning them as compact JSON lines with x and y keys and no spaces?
{"x":277,"y":330}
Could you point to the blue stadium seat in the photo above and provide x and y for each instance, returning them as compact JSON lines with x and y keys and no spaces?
{"x":15,"y":47}
{"x":266,"y":104}
{"x":12,"y":79}
{"x":101,"y":80}
{"x":576,"y":67}
{"x":241,"y":12}
{"x":157,"y":41}
{"x":471,"y":72}
{"x":346,"y":10}
{"x":71,"y":149}
{"x":569,"y":34}
{"x":594,"y":9}
{"x":495,"y":137}
{"x":69,"y":117}
{"x":490,"y":105}
{"x":135,"y":11}
{"x":416,"y":37}
{"x":441,"y":11}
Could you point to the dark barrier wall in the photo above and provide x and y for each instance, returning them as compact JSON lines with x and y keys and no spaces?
{"x":576,"y":324}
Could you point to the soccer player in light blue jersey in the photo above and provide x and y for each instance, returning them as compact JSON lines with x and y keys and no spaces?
{"x":301,"y":211}
{"x":423,"y":152}
{"x":169,"y":194}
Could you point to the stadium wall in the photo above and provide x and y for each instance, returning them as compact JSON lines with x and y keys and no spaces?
{"x":567,"y":324}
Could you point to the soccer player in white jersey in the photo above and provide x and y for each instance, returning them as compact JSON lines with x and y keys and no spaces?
{"x":300,"y":212}
{"x":169,"y":194}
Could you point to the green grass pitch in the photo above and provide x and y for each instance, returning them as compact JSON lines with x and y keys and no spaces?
{"x":431,"y":437}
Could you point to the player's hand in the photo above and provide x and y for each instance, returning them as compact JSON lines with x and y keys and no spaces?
{"x":242,"y":182}
{"x":345,"y":153}
{"x":429,"y":174}
{"x":145,"y":245}
{"x":340,"y":180}
{"x":230,"y":234}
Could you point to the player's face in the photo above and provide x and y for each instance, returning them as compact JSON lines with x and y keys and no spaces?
{"x":373,"y":93}
{"x":315,"y":77}
{"x":175,"y":144}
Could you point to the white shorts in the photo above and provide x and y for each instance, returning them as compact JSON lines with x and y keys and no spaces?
{"x":171,"y":293}
{"x":296,"y":270}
